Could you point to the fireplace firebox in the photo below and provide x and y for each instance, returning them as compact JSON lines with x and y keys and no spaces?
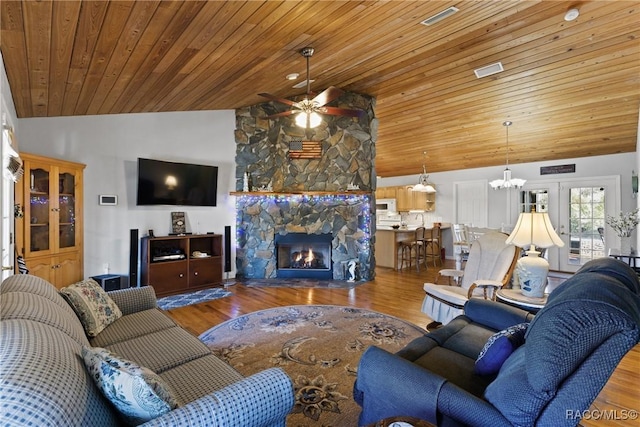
{"x":301,"y":255}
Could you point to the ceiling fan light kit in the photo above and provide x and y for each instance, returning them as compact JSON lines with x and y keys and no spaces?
{"x":308,"y":119}
{"x":307,"y":112}
{"x":507,"y":181}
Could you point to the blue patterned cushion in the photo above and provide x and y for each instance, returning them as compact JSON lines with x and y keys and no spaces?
{"x":93,"y":306}
{"x":498,"y":348}
{"x":138,"y":393}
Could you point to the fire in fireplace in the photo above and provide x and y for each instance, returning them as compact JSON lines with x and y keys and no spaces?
{"x":301,"y":255}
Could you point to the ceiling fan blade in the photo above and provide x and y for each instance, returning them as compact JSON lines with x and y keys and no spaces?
{"x":275,"y":98}
{"x":283,"y":114}
{"x":328,"y":95}
{"x":335,"y":111}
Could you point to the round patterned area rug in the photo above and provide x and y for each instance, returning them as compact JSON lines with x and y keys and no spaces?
{"x":318,"y":346}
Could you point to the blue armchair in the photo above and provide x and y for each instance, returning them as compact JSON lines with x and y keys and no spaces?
{"x":571,"y":348}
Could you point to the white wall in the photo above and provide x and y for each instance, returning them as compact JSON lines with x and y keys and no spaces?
{"x":615,"y":164}
{"x":109,"y":145}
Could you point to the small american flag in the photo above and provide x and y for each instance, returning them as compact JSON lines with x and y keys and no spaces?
{"x":299,"y":149}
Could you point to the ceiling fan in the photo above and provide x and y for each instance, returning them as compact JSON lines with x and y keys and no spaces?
{"x":309,"y":109}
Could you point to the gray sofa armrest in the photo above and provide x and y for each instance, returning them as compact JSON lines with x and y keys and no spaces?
{"x":388,"y":385}
{"x":133,"y":300}
{"x":261,"y":400}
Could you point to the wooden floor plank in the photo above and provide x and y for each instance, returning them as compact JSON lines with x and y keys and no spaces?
{"x":398,"y":294}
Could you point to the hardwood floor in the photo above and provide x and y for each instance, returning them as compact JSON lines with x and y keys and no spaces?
{"x":398,"y":294}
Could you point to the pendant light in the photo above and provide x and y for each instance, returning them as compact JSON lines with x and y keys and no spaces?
{"x":423,"y":184}
{"x":507,"y":181}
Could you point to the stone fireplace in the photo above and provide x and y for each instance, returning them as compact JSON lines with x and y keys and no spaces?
{"x":331,"y":195}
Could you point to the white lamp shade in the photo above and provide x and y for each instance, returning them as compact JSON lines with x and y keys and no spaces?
{"x":424,"y":188}
{"x":534,"y":228}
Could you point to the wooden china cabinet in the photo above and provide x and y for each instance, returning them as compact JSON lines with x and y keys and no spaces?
{"x":49,"y":235}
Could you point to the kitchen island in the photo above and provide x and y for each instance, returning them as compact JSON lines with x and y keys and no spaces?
{"x":388,"y":242}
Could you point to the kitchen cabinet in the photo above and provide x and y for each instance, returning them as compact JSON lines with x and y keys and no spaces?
{"x":409,"y":200}
{"x":386,"y":193}
{"x":49,"y":235}
{"x":404,"y":198}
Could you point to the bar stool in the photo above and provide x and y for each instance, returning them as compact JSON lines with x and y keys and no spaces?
{"x":432,"y":245}
{"x":413,"y":249}
{"x":405,"y":253}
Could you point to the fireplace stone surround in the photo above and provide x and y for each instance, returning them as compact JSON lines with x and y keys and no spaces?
{"x":306,"y":195}
{"x":346,"y":217}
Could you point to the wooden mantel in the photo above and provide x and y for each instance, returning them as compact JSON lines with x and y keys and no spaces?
{"x":302,"y":193}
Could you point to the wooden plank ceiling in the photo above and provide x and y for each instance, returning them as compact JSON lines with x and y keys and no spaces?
{"x":571,"y":89}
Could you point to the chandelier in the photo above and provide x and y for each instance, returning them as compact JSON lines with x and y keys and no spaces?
{"x":507,"y":181}
{"x":423,"y":184}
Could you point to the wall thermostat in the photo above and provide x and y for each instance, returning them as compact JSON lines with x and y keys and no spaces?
{"x":109,"y":200}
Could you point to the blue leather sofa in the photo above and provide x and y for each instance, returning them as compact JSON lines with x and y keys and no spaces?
{"x":571,"y":348}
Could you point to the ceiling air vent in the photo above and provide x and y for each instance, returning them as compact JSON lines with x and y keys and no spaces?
{"x":488,"y":70}
{"x":440,"y":16}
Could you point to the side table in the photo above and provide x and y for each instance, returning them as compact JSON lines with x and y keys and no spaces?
{"x":631,"y":259}
{"x":515,"y":298}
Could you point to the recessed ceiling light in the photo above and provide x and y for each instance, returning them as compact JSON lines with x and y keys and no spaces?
{"x":488,"y":70}
{"x":571,"y":14}
{"x":292,"y":76}
{"x":440,"y":16}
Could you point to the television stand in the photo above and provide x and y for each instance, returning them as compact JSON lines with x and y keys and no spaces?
{"x":181,"y":263}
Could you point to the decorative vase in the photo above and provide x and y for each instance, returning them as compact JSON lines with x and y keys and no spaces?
{"x":531,"y":272}
{"x":625,"y":245}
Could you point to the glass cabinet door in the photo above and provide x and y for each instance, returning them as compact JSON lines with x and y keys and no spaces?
{"x":39,"y":209}
{"x":66,"y":210}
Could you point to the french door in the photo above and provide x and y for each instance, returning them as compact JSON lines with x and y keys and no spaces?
{"x":584,"y":206}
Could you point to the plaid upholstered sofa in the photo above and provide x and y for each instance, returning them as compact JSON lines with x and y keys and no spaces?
{"x":43,"y":380}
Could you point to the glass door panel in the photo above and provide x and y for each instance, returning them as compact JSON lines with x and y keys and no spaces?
{"x":67,"y":210}
{"x":534,"y":199}
{"x":586,"y":230}
{"x":39,"y":208}
{"x":584,"y":206}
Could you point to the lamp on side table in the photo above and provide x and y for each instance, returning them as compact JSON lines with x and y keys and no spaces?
{"x":533,"y":229}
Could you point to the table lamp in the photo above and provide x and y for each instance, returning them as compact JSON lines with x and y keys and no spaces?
{"x":533,"y":229}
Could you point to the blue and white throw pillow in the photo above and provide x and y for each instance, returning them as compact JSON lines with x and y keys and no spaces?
{"x":138,"y":393}
{"x":498,"y":348}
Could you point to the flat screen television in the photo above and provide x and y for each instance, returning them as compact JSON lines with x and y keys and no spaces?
{"x":172,"y":183}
